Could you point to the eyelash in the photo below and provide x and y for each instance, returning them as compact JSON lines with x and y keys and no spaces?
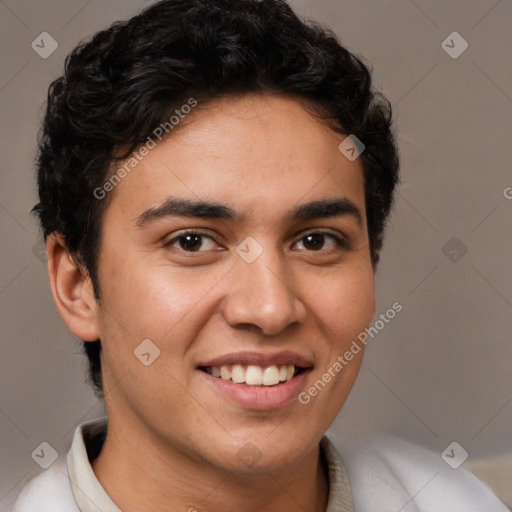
{"x":341,"y":242}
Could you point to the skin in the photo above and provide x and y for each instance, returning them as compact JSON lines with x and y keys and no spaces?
{"x":170,"y":433}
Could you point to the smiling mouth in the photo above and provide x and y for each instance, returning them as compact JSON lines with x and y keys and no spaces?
{"x":254,"y":375}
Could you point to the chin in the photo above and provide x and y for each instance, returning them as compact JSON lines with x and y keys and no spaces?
{"x":269,"y":451}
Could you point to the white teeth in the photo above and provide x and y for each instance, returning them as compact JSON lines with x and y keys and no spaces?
{"x":254,"y":375}
{"x":271,"y":376}
{"x":238,"y":373}
{"x":225,"y":372}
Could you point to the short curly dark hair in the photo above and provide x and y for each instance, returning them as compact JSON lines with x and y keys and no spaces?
{"x":130,"y":78}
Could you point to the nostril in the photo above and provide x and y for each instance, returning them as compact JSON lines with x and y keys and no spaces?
{"x":251,"y":328}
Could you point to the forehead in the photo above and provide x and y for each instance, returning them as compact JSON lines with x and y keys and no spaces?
{"x":250,"y":152}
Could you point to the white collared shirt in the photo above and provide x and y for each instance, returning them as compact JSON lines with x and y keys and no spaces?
{"x":386,"y":474}
{"x":70,"y":485}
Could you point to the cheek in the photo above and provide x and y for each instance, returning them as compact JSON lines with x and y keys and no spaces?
{"x":156,"y":301}
{"x":345,"y":304}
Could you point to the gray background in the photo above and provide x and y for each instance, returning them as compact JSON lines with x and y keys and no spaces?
{"x":440,"y":371}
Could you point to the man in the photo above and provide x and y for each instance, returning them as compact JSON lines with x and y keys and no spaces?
{"x":214,"y":181}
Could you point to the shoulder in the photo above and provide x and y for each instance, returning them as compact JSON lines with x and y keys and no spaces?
{"x":388,"y":473}
{"x":49,"y":491}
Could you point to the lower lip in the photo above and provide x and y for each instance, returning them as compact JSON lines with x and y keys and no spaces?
{"x":258,"y":397}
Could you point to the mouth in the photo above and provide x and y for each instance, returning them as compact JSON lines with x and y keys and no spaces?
{"x":257,"y":381}
{"x":254,"y":375}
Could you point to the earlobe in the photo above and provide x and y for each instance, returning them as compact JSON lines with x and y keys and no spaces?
{"x":72,"y":291}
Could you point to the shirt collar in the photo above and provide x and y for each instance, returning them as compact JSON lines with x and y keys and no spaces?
{"x":91,"y":497}
{"x":340,"y":495}
{"x":87,"y":490}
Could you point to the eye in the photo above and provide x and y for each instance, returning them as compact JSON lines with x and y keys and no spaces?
{"x":191,"y":241}
{"x":317,"y":240}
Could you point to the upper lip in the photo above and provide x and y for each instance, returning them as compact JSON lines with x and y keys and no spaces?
{"x":259,"y":359}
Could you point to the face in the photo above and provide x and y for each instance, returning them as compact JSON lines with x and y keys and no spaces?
{"x":238,"y":246}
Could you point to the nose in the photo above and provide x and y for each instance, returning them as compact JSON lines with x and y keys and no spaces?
{"x":261,"y":296}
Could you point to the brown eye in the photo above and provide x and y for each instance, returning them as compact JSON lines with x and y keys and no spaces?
{"x":318,"y":241}
{"x":191,"y":242}
{"x":314,"y":242}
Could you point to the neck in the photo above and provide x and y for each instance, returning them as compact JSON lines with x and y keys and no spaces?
{"x":173,"y":481}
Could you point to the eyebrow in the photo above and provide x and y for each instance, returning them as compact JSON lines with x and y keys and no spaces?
{"x":174,"y":207}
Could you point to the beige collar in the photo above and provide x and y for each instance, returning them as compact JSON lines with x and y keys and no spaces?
{"x":91,"y":497}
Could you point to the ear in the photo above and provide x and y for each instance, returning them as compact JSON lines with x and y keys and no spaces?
{"x":72,"y":291}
